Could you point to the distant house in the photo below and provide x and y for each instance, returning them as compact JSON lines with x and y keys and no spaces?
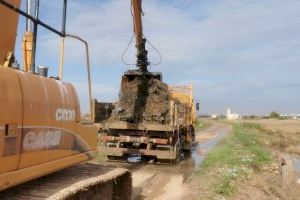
{"x":290,"y":116}
{"x":232,"y":116}
{"x":215,"y":116}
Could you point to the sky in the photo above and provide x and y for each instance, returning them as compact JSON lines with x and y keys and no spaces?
{"x":242,"y":54}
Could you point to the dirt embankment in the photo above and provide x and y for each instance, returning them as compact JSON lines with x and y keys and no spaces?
{"x":277,"y":180}
{"x":242,"y":166}
{"x":281,"y":135}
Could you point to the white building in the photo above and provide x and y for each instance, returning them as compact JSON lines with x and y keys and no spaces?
{"x":215,"y":116}
{"x":232,"y":116}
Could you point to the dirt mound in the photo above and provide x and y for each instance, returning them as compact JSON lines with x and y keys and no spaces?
{"x":143,"y":99}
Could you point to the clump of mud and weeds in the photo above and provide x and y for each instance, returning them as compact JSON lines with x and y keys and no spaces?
{"x":143,"y":99}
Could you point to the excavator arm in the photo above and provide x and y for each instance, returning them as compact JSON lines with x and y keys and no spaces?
{"x":142,"y":53}
{"x":8,"y":33}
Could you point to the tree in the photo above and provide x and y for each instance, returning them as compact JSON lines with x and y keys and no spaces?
{"x":274,"y":115}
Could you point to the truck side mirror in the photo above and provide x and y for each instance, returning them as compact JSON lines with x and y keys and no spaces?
{"x":197,"y":106}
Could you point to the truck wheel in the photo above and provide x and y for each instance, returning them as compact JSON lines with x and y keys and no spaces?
{"x":192,"y":133}
{"x":172,"y":161}
{"x":178,"y":155}
{"x":110,"y":157}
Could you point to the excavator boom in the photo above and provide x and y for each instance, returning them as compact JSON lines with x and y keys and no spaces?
{"x":137,"y":19}
{"x":142,"y":54}
{"x":8,"y":31}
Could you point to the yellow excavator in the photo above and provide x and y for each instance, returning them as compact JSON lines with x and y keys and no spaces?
{"x":41,"y":130}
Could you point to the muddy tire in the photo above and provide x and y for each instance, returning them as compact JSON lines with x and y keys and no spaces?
{"x":192,"y":132}
{"x":173,"y":161}
{"x":178,"y":154}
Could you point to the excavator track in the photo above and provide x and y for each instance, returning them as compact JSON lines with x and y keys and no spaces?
{"x":83,"y":182}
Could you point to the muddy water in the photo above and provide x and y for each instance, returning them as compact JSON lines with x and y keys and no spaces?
{"x":162,"y":182}
{"x":206,"y":141}
{"x":296,"y":162}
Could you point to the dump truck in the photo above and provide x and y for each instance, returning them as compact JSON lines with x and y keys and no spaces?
{"x":151,"y":119}
{"x":163,"y":130}
{"x":41,"y":130}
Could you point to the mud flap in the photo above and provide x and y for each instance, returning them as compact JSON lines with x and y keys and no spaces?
{"x":187,"y":146}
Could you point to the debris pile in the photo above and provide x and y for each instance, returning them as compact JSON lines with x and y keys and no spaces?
{"x":143,"y":100}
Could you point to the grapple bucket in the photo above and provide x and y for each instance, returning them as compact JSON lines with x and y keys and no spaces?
{"x":130,"y":75}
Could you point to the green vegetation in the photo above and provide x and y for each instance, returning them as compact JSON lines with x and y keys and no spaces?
{"x":201,"y":124}
{"x":100,"y":157}
{"x":274,"y":115}
{"x":251,"y":117}
{"x":281,"y":140}
{"x":239,"y":154}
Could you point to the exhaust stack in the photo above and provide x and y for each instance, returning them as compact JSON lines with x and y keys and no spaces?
{"x":29,"y":23}
{"x":43,"y":71}
{"x":29,"y":39}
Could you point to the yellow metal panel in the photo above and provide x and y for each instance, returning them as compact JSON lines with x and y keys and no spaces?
{"x":42,"y":114}
{"x":8,"y":29}
{"x":9,"y":163}
{"x":34,"y":157}
{"x":10,"y":118}
{"x":27,"y":46}
{"x":184,"y":94}
{"x":88,"y":132}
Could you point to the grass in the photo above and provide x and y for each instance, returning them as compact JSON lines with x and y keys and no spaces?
{"x":290,"y":126}
{"x":239,"y":154}
{"x":100,"y":157}
{"x":279,"y":137}
{"x":201,"y":124}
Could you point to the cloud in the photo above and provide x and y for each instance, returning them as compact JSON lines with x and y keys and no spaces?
{"x":101,"y":92}
{"x":239,"y":53}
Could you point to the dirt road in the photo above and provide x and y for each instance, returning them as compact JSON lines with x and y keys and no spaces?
{"x":157,"y":181}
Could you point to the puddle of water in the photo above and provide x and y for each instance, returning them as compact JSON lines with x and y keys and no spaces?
{"x":297,"y":166}
{"x":199,"y":152}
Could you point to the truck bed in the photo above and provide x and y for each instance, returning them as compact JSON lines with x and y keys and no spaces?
{"x":122,"y":125}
